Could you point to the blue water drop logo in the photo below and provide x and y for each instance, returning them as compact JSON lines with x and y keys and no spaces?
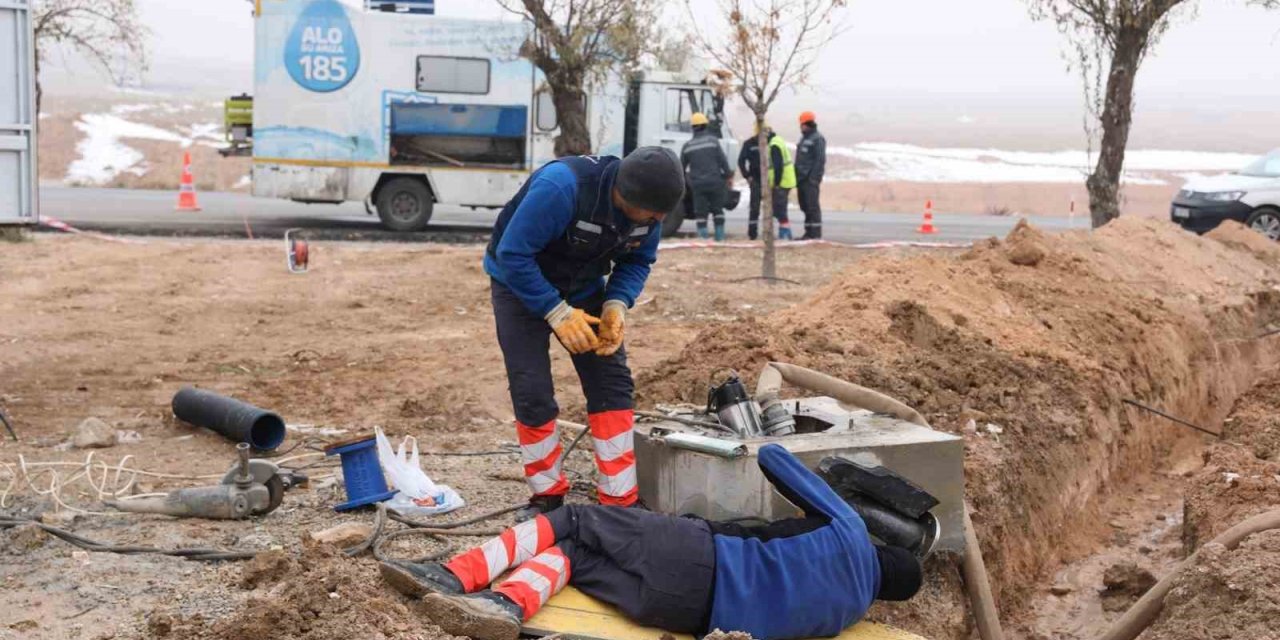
{"x":322,"y":53}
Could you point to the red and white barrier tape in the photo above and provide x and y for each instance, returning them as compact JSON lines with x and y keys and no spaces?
{"x":54,"y":223}
{"x":707,"y":244}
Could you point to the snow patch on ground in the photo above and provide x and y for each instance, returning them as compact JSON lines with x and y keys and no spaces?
{"x":893,"y":161}
{"x":103,"y":155}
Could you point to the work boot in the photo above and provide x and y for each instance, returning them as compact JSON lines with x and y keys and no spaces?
{"x":480,"y":616}
{"x":719,"y":232}
{"x":702,"y":231}
{"x":418,"y":579}
{"x":538,"y":505}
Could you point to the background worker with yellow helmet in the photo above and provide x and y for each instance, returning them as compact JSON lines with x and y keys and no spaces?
{"x":709,"y":176}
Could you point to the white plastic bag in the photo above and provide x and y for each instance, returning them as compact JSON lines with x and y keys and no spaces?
{"x":418,"y":495}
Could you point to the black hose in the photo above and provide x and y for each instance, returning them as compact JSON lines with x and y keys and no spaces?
{"x":5,"y":420}
{"x":201,"y":554}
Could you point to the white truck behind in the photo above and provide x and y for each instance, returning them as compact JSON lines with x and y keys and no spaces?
{"x":404,"y":111}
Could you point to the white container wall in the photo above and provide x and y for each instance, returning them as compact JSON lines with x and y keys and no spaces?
{"x":17,"y":114}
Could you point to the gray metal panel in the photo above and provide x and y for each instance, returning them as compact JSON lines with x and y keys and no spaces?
{"x":18,"y":176}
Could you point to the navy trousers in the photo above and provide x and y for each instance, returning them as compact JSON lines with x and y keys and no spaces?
{"x":525,"y":338}
{"x":659,"y":570}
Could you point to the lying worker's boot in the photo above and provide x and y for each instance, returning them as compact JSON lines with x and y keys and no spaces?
{"x":418,"y":579}
{"x":719,"y":232}
{"x":702,"y":231}
{"x":538,"y":505}
{"x":481,"y":616}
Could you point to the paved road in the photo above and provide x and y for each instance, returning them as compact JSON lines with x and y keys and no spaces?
{"x":226,"y":214}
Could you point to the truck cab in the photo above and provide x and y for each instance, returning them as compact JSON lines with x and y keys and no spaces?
{"x":660,"y":105}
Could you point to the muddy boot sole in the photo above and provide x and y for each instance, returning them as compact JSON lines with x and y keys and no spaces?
{"x":404,"y":582}
{"x":470,"y":617}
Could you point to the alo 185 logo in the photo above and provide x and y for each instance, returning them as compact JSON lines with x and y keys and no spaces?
{"x":322,"y":53}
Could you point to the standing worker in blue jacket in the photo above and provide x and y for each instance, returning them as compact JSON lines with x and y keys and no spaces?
{"x":709,"y":176}
{"x":570,"y":254}
{"x":811,"y":165}
{"x":796,"y":578}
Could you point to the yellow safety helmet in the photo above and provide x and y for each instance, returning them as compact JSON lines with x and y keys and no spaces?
{"x":699,"y":119}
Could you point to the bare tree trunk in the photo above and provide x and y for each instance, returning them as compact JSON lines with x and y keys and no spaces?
{"x":769,"y":268}
{"x":571,"y":109}
{"x":39,"y":88}
{"x":1117,"y":116}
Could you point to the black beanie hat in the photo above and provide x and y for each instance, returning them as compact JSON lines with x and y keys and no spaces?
{"x":900,"y":573}
{"x":651,"y":178}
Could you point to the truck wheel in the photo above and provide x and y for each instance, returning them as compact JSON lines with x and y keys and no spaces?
{"x":405,"y":204}
{"x":1266,"y":222}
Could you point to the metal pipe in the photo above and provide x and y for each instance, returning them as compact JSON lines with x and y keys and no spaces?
{"x":775,"y":373}
{"x":236,"y":420}
{"x":703,"y":444}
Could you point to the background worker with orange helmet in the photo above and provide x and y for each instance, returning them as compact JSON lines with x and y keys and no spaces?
{"x":709,"y":175}
{"x":811,"y":164}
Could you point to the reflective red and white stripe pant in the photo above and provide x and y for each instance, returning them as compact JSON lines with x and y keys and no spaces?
{"x":606,"y":383}
{"x":612,"y":435}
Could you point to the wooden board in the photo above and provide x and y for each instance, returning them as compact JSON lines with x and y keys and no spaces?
{"x":576,"y":615}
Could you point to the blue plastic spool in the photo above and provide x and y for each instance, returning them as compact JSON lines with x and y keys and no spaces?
{"x":361,"y":474}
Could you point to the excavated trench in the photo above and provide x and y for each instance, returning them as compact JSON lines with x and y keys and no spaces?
{"x":1028,"y":347}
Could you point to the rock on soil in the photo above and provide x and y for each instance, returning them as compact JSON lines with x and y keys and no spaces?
{"x":347,"y":534}
{"x":93,"y":433}
{"x":1123,"y":584}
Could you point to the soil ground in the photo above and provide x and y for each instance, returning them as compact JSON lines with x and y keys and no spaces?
{"x":1025,"y":347}
{"x":395,"y":336}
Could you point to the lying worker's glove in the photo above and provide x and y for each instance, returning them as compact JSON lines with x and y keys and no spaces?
{"x":612,"y":319}
{"x":573,"y":328}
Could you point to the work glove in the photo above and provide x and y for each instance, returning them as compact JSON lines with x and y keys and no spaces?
{"x":612,"y":319}
{"x":573,"y":328}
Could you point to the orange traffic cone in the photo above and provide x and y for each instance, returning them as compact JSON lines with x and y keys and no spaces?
{"x":927,"y":225}
{"x":187,"y":189}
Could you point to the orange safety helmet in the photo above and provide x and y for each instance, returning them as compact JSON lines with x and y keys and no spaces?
{"x":807,"y":117}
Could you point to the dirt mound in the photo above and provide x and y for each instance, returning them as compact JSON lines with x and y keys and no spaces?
{"x":1228,"y":594}
{"x":320,"y":595}
{"x":1232,"y":593}
{"x":1042,"y":336}
{"x":1241,"y":475}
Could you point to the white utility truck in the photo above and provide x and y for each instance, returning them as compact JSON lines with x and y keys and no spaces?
{"x":403,"y":110}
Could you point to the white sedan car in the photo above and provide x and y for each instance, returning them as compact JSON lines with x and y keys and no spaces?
{"x":1250,"y":196}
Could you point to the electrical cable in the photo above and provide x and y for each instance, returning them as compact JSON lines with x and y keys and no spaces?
{"x":5,"y":420}
{"x":196,"y":553}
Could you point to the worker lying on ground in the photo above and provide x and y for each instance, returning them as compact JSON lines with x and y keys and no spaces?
{"x":793,"y":578}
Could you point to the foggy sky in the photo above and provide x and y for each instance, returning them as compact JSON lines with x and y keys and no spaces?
{"x":954,"y":60}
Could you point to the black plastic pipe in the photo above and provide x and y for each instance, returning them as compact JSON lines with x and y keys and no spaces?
{"x":890,"y":527}
{"x":237,"y":421}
